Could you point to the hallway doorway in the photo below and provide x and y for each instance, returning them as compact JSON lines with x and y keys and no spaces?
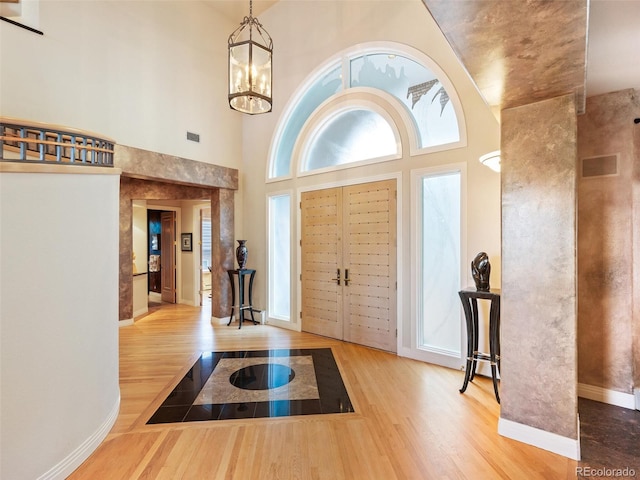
{"x":162,"y":254}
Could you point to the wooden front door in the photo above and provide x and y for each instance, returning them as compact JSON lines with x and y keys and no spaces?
{"x":349,"y":263}
{"x":321,"y":222}
{"x":168,"y":257}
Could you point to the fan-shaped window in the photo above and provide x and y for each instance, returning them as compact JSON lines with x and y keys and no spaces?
{"x":418,"y":85}
{"x":350,"y":136}
{"x":417,"y":88}
{"x":322,"y":88}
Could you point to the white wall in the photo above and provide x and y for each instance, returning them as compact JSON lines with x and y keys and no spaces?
{"x":305,"y":35}
{"x":190,"y":260}
{"x":140,"y":260}
{"x":141,"y":72}
{"x":59,"y":318}
{"x":140,"y":234}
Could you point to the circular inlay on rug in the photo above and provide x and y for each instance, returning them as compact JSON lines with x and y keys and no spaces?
{"x":263,"y":376}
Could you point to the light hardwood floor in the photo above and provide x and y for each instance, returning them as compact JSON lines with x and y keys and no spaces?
{"x":410,"y":420}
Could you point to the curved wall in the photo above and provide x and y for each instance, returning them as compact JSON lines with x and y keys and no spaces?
{"x":58,"y":316}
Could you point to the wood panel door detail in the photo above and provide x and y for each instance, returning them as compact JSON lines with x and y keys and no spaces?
{"x":168,"y":257}
{"x":349,"y":263}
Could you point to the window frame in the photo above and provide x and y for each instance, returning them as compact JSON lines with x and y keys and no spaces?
{"x":344,"y":58}
{"x":271,"y":268}
{"x":329,"y":111}
{"x":416,"y":350}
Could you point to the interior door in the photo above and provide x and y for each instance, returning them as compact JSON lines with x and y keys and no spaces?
{"x":168,"y":256}
{"x":349,"y":263}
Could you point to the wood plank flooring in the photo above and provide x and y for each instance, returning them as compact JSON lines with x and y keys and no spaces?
{"x":410,"y":420}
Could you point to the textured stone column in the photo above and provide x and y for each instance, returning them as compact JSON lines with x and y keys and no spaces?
{"x":126,"y":255}
{"x":538,"y":307}
{"x":222,"y":251}
{"x":607,"y":303}
{"x":636,"y":251}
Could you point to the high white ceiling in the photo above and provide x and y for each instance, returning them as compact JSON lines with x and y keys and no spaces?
{"x":236,"y":10}
{"x":613,"y":56}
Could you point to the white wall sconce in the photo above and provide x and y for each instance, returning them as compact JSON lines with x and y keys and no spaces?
{"x":491,"y":160}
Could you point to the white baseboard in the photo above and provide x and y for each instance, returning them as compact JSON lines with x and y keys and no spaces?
{"x":125,"y":323}
{"x":67,"y":465}
{"x":219,"y":321}
{"x":612,"y":397}
{"x":140,"y":311}
{"x":637,"y":395}
{"x":155,"y":297}
{"x":552,"y":442}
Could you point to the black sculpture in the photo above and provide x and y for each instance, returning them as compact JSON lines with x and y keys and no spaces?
{"x":481,"y":269}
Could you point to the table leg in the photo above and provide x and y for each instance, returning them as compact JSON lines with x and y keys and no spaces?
{"x":240,"y":298}
{"x":494,"y":342}
{"x":233,"y":296}
{"x":467,"y":315}
{"x":474,"y":323}
{"x":253,"y":274}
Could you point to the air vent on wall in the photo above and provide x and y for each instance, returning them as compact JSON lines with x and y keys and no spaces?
{"x":602,"y":166}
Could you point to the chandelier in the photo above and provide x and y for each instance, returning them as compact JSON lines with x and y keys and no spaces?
{"x":250,"y":52}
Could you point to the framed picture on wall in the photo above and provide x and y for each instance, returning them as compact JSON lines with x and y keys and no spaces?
{"x":186,"y":242}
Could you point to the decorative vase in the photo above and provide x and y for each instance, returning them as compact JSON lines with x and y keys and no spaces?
{"x":242,"y":254}
{"x":480,"y":270}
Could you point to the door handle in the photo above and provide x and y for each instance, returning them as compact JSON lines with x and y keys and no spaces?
{"x":337,"y":280}
{"x":346,"y":277}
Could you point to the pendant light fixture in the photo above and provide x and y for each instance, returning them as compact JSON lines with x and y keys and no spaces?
{"x":250,"y":67}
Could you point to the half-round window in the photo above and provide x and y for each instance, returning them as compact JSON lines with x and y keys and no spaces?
{"x":350,"y":136}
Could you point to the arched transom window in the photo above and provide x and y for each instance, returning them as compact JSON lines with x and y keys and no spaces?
{"x":352,"y":135}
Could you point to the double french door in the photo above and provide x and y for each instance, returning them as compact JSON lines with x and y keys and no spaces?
{"x":349,"y":263}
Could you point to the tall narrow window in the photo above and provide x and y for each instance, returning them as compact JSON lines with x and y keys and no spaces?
{"x":439,"y":319}
{"x":280,"y":257}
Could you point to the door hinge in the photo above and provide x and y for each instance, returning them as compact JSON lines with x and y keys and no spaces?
{"x":300,"y":242}
{"x":300,"y":205}
{"x":300,"y":277}
{"x":300,"y":314}
{"x":396,"y":333}
{"x":396,"y":285}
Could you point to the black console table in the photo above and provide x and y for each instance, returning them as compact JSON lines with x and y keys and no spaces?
{"x":469,"y":298}
{"x":241,"y":274}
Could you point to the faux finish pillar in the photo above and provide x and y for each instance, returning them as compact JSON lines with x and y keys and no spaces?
{"x":222,"y":250}
{"x":538,"y":305}
{"x":636,"y":252}
{"x":608,"y":261}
